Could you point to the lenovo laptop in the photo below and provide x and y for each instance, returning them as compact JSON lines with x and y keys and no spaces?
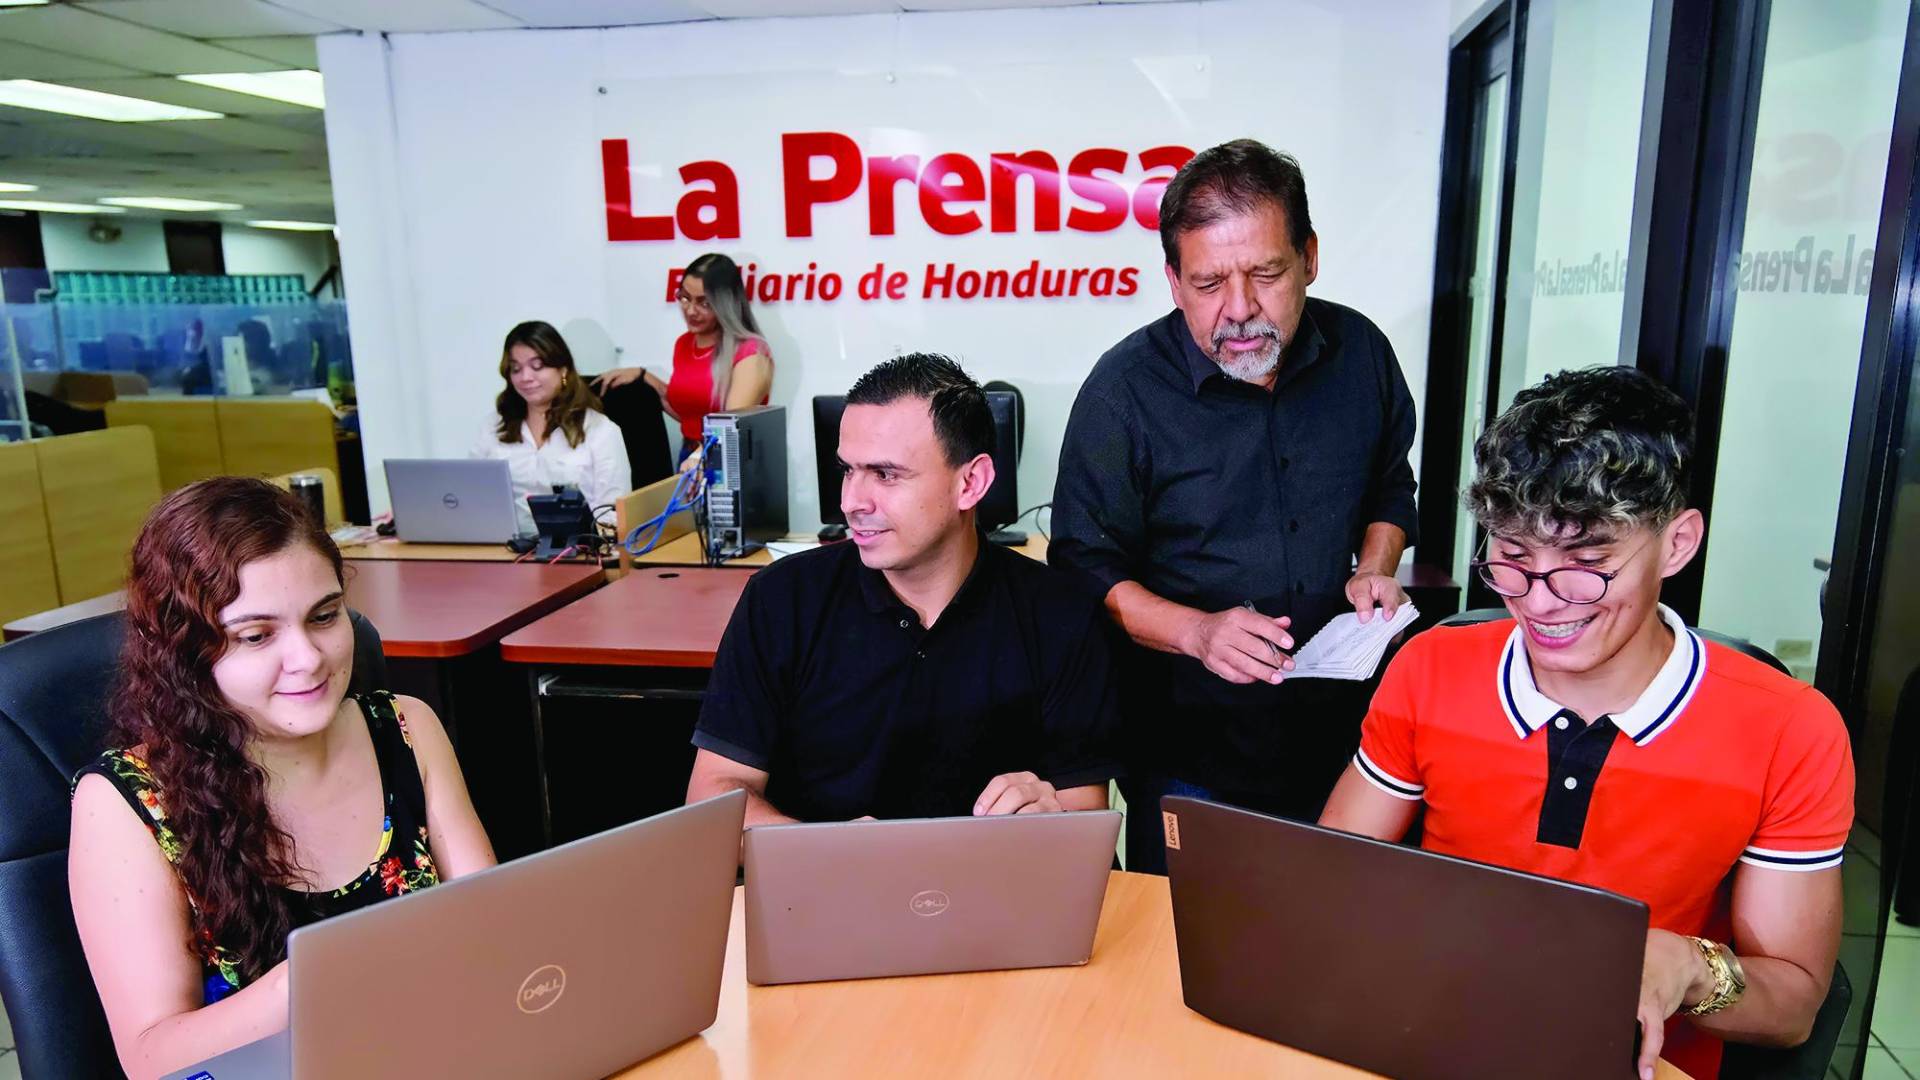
{"x":574,"y":962}
{"x":861,"y":899}
{"x":451,"y":501}
{"x":1396,"y":960}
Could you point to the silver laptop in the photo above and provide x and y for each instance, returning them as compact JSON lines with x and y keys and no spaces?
{"x":451,"y":501}
{"x":575,"y":962}
{"x":1399,"y":961}
{"x":861,"y":899}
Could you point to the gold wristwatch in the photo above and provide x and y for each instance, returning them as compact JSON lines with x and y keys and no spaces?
{"x":1729,"y":981}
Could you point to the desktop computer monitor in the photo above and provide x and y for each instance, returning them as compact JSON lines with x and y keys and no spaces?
{"x":998,"y":509}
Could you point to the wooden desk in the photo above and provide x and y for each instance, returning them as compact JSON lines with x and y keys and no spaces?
{"x":436,"y":610}
{"x":389,"y":548}
{"x":653,"y":617}
{"x":1119,"y":1016}
{"x":685,"y":551}
{"x":61,"y":616}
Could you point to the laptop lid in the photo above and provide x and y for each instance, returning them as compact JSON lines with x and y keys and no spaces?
{"x":1397,"y":960}
{"x":263,"y":1059}
{"x":451,"y":501}
{"x":862,"y":899}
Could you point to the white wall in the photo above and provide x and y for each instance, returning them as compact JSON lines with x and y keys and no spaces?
{"x":471,"y":203}
{"x":142,"y":246}
{"x":275,"y":251}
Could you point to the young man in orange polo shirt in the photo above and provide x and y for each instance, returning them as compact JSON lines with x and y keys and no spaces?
{"x":1594,"y":738}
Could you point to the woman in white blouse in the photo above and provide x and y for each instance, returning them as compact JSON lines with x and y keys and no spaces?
{"x":549,"y":429}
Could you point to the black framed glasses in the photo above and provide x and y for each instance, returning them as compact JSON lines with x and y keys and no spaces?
{"x":1573,"y":584}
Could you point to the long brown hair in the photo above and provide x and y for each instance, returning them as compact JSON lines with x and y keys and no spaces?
{"x":568,"y":411}
{"x":234,"y":858}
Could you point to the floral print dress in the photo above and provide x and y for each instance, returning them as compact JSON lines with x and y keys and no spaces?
{"x":398,"y":867}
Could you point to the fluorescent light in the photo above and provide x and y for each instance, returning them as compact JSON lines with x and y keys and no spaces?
{"x":298,"y":87}
{"x":20,"y":3}
{"x":4,"y":186}
{"x":57,"y":207}
{"x":162,"y":202}
{"x":293,"y":226}
{"x":92,"y":104}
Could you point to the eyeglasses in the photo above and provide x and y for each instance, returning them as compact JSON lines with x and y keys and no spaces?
{"x":1572,"y":584}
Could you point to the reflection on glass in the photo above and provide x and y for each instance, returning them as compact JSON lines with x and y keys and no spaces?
{"x":1576,"y":158}
{"x":1493,"y":127}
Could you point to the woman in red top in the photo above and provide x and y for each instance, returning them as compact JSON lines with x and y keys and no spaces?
{"x":721,"y":363}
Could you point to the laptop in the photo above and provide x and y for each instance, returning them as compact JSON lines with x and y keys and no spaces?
{"x":574,"y":962}
{"x":1396,"y":960}
{"x":451,"y":501}
{"x":866,"y":899}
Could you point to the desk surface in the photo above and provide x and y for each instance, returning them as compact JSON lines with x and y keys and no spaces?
{"x":389,"y":548}
{"x":60,"y":616}
{"x":1120,"y":1016}
{"x":444,"y":609}
{"x":685,"y":551}
{"x":653,"y":617}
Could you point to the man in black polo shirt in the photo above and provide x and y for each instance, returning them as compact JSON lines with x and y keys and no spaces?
{"x":916,"y":670}
{"x":1223,"y":467}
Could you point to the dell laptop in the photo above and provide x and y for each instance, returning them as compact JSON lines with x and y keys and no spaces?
{"x":452,"y":501}
{"x":1396,"y":960}
{"x":863,"y":899}
{"x":572,"y":963}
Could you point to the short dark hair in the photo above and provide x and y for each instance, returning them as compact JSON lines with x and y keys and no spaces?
{"x":1233,"y":178}
{"x":1593,"y":451}
{"x":961,"y":419}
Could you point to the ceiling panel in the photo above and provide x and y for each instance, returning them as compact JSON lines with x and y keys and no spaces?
{"x":289,"y":52}
{"x":555,"y":13}
{"x":754,"y":9}
{"x":171,"y":91}
{"x":212,"y":18}
{"x":259,"y":136}
{"x":978,"y":5}
{"x":29,"y":62}
{"x":83,"y":33}
{"x":404,"y":16}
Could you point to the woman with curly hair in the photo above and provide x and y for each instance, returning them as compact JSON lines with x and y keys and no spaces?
{"x":248,"y":793}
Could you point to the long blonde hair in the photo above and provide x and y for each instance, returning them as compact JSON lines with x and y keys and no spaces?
{"x":727,"y":296}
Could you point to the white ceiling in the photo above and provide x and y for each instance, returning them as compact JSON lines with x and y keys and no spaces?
{"x":269,"y":157}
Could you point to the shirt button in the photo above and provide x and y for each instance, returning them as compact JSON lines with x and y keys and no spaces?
{"x":1571,"y":783}
{"x":903,"y":624}
{"x":1299,"y":587}
{"x":1293,"y":526}
{"x":1561,"y":723}
{"x":921,"y":654}
{"x":1283,"y":463}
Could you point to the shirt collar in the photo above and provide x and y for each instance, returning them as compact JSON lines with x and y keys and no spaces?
{"x":1305,"y":350}
{"x":880,"y":597}
{"x":1658,"y":706}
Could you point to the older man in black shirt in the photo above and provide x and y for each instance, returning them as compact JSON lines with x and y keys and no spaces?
{"x":915,"y":671}
{"x":1233,"y":474}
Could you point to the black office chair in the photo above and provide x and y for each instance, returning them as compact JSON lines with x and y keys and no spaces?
{"x":1809,"y":1060}
{"x":53,"y":717}
{"x":636,"y":408}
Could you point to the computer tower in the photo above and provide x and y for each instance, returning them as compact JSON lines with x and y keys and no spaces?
{"x":746,"y":469}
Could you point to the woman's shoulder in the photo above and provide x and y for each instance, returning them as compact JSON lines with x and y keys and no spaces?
{"x":125,"y":768}
{"x":753,"y":346}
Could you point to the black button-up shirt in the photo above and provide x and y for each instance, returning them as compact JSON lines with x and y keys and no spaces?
{"x":1213,"y":493}
{"x":826,"y":681}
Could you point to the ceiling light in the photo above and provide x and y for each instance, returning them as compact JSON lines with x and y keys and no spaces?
{"x":92,"y":104}
{"x":298,"y":87}
{"x":4,"y":186}
{"x":20,"y":3}
{"x":293,"y":226}
{"x":57,"y":207}
{"x":162,"y":202}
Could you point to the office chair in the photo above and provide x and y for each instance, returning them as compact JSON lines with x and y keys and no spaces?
{"x":636,"y":408}
{"x":1809,"y":1060}
{"x":54,"y":688}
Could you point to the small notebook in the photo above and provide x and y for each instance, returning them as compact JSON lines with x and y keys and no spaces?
{"x":1347,"y":648}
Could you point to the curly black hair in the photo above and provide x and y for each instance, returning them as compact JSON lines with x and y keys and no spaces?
{"x":1588,"y":452}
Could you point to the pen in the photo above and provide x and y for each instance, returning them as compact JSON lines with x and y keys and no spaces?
{"x":1248,"y":604}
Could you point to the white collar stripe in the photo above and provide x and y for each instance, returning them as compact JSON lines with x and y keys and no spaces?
{"x":1659,"y":705}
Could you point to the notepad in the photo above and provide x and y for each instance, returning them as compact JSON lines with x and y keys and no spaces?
{"x":1347,"y":648}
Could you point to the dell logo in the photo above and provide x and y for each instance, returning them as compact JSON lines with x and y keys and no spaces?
{"x":541,"y":989}
{"x":450,"y":501}
{"x":929,"y":903}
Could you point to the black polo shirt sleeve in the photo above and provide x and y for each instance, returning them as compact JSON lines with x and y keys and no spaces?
{"x":1099,"y":503}
{"x":750,"y":687}
{"x":1390,"y":497}
{"x":1080,"y":712}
